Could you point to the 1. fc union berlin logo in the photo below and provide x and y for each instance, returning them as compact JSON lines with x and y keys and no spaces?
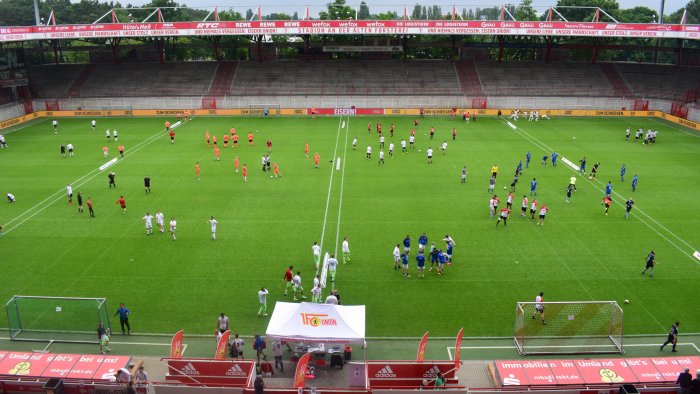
{"x":317,"y":319}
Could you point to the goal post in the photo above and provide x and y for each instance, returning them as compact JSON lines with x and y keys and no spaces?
{"x":574,"y":327}
{"x":59,"y":319}
{"x":261,"y":109}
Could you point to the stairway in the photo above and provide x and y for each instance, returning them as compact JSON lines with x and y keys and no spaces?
{"x":80,"y":80}
{"x":620,"y":88}
{"x":468,"y":77}
{"x":223,"y":79}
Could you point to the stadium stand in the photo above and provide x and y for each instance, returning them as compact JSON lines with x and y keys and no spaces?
{"x":659,"y":81}
{"x":79,"y":81}
{"x":152,"y":79}
{"x":328,"y":77}
{"x":51,"y":81}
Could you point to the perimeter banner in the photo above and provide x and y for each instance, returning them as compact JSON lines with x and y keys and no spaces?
{"x":300,"y":373}
{"x":421,"y":347}
{"x":176,"y":345}
{"x":221,"y":346}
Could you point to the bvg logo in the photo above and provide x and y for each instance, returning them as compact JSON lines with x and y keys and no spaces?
{"x":316,"y":320}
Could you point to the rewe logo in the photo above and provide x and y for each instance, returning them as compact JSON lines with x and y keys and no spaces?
{"x":235,"y":370}
{"x":385,"y":372}
{"x":189,"y":369}
{"x":432,"y":372}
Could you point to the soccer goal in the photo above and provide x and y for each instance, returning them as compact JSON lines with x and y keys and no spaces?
{"x":568,"y":328}
{"x":259,"y":109}
{"x":60,"y":319}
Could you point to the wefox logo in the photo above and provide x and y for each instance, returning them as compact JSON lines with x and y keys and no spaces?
{"x":385,"y":372}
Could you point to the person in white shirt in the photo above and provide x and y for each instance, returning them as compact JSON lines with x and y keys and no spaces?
{"x":354,"y":144}
{"x":262,"y":297}
{"x":3,"y":143}
{"x":10,"y":197}
{"x":381,"y":141}
{"x":369,"y":152}
{"x":108,"y":135}
{"x":444,"y":147}
{"x":391,"y":149}
{"x":116,"y":136}
{"x":149,"y":223}
{"x":160,"y":221}
{"x":237,"y":343}
{"x":141,"y":376}
{"x":69,"y":193}
{"x":403,"y":146}
{"x":222,"y":323}
{"x":430,"y":155}
{"x":317,"y":254}
{"x":346,"y":250}
{"x":381,"y":157}
{"x":93,"y":123}
{"x":397,"y":257}
{"x":213,"y":223}
{"x":539,"y":307}
{"x":332,"y":266}
{"x":317,"y":280}
{"x":70,"y":149}
{"x":173,"y":225}
{"x":411,"y":140}
{"x":316,"y":294}
{"x":123,"y":375}
{"x":297,"y":286}
{"x":55,"y":126}
{"x":332,"y":299}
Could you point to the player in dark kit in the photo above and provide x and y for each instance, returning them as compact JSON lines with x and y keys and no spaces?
{"x":111,"y":177}
{"x":651,"y":262}
{"x":628,"y":205}
{"x":147,"y":184}
{"x":672,"y":337}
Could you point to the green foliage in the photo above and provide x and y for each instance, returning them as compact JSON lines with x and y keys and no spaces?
{"x":337,"y":10}
{"x":525,"y":11}
{"x":692,"y":16}
{"x":363,"y":13}
{"x":637,"y":14}
{"x":586,"y":15}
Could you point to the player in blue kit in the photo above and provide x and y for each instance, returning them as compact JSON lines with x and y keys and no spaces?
{"x":554,"y":159}
{"x":443,"y":260}
{"x":608,"y":189}
{"x":404,"y":265}
{"x":434,"y":257}
{"x":528,"y":156}
{"x":533,"y":187}
{"x":420,"y":260}
{"x":519,"y":168}
{"x":634,"y":182}
{"x":582,"y":166}
{"x":623,"y":170}
{"x":449,"y":243}
{"x":422,"y":242}
{"x":407,"y":244}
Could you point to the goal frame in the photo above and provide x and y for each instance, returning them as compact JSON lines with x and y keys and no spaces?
{"x":611,"y":343}
{"x":258,"y":109}
{"x":17,"y":328}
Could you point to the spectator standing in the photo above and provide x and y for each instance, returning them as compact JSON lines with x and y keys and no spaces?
{"x":222,"y":323}
{"x":684,"y":381}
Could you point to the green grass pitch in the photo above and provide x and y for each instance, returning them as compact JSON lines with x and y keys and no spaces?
{"x":267,"y":224}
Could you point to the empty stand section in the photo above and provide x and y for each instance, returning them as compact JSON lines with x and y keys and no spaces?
{"x":80,"y":79}
{"x":618,"y":84}
{"x":329,"y":77}
{"x":149,"y":79}
{"x":52,"y":80}
{"x":539,"y":79}
{"x":468,"y":78}
{"x":660,"y":81}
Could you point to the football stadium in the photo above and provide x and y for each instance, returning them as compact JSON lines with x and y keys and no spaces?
{"x":349,"y":198}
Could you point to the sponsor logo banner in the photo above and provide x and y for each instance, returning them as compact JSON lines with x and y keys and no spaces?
{"x":317,"y":320}
{"x":408,"y":370}
{"x":210,"y":371}
{"x":176,"y":345}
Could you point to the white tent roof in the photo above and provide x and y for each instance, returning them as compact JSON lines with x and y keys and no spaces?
{"x":311,"y":322}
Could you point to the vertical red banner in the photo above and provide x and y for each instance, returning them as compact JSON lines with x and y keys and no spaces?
{"x":458,"y":348}
{"x":176,"y":345}
{"x":300,"y":374}
{"x":421,"y":347}
{"x":221,"y":346}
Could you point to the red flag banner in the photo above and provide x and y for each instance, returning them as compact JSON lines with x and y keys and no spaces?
{"x":176,"y":345}
{"x":300,"y":374}
{"x":421,"y":348}
{"x":458,"y":348}
{"x":221,"y":346}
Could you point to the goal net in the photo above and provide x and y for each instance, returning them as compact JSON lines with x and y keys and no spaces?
{"x":568,"y":328}
{"x":60,"y":319}
{"x":262,"y":109}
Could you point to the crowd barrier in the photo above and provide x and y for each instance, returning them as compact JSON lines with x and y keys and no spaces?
{"x":166,"y":113}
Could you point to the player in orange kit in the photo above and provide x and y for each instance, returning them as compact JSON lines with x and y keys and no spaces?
{"x":232,"y":131}
{"x":245,"y":173}
{"x":317,"y":159}
{"x":196,"y":169}
{"x":235,"y":140}
{"x":225,"y":140}
{"x":217,"y":153}
{"x":207,"y":138}
{"x":213,"y":139}
{"x":235,"y":164}
{"x":276,"y":170}
{"x":250,"y":138}
{"x":105,"y":151}
{"x":306,"y":150}
{"x":167,"y":125}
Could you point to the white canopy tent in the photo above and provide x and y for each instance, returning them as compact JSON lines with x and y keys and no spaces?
{"x":317,"y":323}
